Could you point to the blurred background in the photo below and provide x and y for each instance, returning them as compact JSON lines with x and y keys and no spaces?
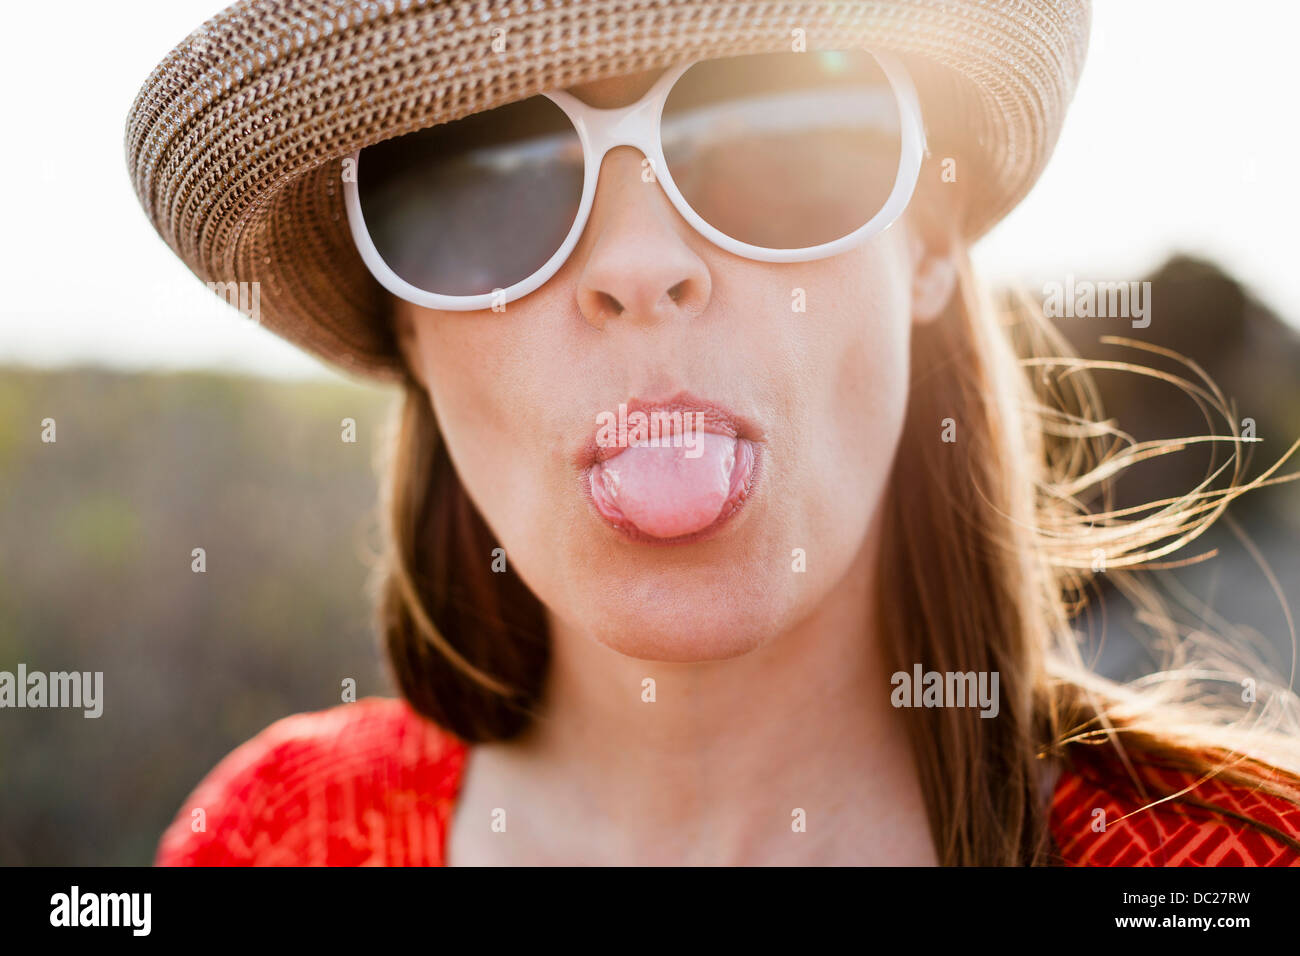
{"x":181,"y":425}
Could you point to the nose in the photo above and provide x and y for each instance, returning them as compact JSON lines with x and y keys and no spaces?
{"x":639,"y":268}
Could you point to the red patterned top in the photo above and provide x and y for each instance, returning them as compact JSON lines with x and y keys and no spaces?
{"x":373,"y":784}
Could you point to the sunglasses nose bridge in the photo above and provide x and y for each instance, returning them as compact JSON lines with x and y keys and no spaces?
{"x":633,"y":126}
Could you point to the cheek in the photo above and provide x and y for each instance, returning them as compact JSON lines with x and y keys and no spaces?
{"x":866,"y":393}
{"x":853,"y":376}
{"x":478,"y":391}
{"x":503,"y":402}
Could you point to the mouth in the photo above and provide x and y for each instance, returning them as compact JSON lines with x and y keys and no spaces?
{"x":671,"y":472}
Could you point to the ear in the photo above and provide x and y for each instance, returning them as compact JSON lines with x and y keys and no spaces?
{"x":934,"y":277}
{"x":404,"y":318}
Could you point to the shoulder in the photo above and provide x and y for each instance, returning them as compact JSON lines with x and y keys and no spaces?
{"x":367,"y":782}
{"x":1101,"y":816}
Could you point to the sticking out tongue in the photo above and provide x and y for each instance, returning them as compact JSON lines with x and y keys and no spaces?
{"x":663,"y":491}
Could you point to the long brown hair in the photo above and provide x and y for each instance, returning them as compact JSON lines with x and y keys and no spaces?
{"x":990,"y":543}
{"x":468,"y":644}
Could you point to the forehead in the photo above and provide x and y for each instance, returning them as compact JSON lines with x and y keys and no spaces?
{"x":616,"y":90}
{"x":748,"y":73}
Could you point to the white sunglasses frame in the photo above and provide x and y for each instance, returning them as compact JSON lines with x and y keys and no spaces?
{"x":637,"y":125}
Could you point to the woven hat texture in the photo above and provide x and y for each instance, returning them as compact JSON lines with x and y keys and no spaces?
{"x":234,"y":143}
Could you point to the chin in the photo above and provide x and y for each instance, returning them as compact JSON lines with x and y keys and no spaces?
{"x":668,"y":646}
{"x":687,"y":617}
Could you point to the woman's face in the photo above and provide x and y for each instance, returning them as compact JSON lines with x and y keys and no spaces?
{"x":708,"y":549}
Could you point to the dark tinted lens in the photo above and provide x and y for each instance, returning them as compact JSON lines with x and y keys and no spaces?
{"x":784,"y":150}
{"x":476,"y":204}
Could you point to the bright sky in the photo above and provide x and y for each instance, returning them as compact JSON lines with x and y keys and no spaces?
{"x":1183,"y":135}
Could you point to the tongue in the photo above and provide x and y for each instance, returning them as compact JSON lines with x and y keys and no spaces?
{"x":663,"y":491}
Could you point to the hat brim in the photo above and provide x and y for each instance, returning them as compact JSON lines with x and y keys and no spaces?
{"x":235,"y":142}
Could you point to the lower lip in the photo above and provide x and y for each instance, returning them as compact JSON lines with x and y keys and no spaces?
{"x":744,"y":476}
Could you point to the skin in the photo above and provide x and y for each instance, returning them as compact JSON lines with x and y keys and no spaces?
{"x":770,"y":691}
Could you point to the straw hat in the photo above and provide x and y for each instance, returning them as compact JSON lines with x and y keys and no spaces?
{"x":235,"y":142}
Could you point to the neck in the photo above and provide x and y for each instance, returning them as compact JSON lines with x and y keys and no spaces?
{"x":715,"y":769}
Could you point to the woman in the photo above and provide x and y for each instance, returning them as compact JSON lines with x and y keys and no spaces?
{"x":725,"y":527}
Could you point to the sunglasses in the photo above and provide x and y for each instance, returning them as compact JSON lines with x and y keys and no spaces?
{"x":781,"y":157}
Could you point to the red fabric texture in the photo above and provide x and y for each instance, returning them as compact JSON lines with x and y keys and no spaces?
{"x":362,"y":784}
{"x":373,"y":784}
{"x":1092,"y":826}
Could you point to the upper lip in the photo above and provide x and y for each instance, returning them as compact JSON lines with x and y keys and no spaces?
{"x":716,"y":418}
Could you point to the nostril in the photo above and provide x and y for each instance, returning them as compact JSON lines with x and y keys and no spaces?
{"x":678,"y":291}
{"x":609,"y":304}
